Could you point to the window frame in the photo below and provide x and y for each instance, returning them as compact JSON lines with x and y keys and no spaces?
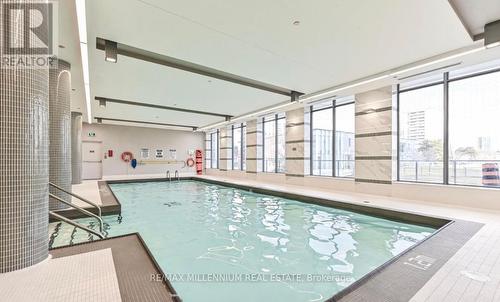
{"x":241,"y":126}
{"x":446,"y":80}
{"x":216,"y":150}
{"x":334,"y":107}
{"x":276,"y":117}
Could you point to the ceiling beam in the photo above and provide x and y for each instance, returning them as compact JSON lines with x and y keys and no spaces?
{"x":152,"y":57}
{"x":125,"y":102}
{"x":100,"y":119}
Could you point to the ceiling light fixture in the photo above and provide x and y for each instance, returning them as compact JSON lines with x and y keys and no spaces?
{"x":82,"y":33}
{"x":296,"y":22}
{"x":440,"y":60}
{"x":341,"y":88}
{"x":111,"y":51}
{"x":331,"y":91}
{"x":247,"y":116}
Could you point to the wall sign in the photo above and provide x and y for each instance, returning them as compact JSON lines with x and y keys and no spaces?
{"x":173,"y":154}
{"x":159,"y":153}
{"x":144,"y":153}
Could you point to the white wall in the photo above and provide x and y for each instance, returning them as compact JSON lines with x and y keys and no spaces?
{"x":124,"y":138}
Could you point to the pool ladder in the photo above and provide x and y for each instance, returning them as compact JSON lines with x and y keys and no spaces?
{"x":98,"y":217}
{"x":176,"y":175}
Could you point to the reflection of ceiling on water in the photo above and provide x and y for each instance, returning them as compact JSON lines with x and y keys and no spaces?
{"x":331,"y":239}
{"x":401,"y":240}
{"x":272,"y":217}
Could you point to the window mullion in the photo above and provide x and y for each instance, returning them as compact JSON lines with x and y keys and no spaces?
{"x":397,"y":133}
{"x":334,"y":159}
{"x":276,"y":143}
{"x":446,"y":144}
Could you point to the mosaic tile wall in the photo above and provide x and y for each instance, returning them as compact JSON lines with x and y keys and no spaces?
{"x":24,"y":104}
{"x":60,"y":132}
{"x":76,"y":148}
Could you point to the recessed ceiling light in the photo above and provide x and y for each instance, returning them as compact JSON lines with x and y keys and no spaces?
{"x":296,"y":22}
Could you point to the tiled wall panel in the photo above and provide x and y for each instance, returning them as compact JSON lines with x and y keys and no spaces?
{"x":374,"y":133}
{"x":24,"y":104}
{"x":60,"y":132}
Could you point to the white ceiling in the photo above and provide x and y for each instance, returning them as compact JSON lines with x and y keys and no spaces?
{"x":337,"y":41}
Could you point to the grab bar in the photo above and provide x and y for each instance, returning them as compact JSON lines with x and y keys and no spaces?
{"x":81,"y":210}
{"x":89,"y":230}
{"x":176,"y":175}
{"x":79,"y":197}
{"x":168,"y":175}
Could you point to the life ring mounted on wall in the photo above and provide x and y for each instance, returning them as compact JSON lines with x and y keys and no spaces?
{"x":190,"y":162}
{"x":127,"y":156}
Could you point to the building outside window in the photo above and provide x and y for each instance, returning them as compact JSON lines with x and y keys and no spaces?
{"x":421,"y":134}
{"x":467,"y":104}
{"x":274,"y":145}
{"x":239,"y":147}
{"x":332,"y":138}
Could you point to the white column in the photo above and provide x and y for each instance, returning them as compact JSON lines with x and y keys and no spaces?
{"x":297,"y":144}
{"x":374,"y":137}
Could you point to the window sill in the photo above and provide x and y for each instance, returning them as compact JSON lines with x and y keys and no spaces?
{"x":451,"y":186}
{"x":347,"y":179}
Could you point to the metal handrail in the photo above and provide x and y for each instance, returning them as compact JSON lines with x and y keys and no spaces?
{"x":69,"y":221}
{"x":79,"y":197}
{"x":81,"y":210}
{"x":176,"y":175}
{"x":168,"y":175}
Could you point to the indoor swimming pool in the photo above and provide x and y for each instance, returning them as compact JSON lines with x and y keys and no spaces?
{"x":217,"y":242}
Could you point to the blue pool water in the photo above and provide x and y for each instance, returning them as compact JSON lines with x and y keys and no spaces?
{"x":262,"y":246}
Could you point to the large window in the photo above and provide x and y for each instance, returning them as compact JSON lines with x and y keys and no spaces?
{"x":208,"y":151}
{"x":474,"y":132}
{"x":214,"y":150}
{"x":448,"y":130}
{"x":421,"y":134}
{"x":332,"y":138}
{"x":239,"y":146}
{"x":274,"y":128}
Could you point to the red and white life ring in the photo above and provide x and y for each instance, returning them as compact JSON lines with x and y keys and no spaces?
{"x":190,"y":162}
{"x":127,"y":156}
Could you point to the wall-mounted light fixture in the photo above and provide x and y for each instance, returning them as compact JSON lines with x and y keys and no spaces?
{"x":111,"y":51}
{"x":102,"y":103}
